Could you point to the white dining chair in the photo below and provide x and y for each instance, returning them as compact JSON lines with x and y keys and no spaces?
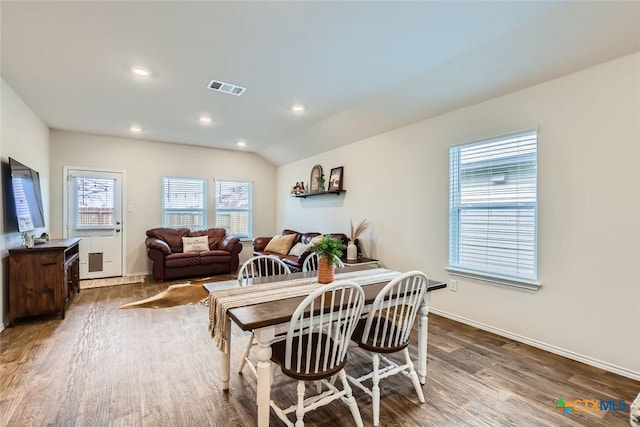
{"x":387,"y":329}
{"x":258,"y":266}
{"x":315,"y":348}
{"x":311,"y":262}
{"x":261,"y":266}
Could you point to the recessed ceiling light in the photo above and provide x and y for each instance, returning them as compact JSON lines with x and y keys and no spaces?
{"x":297,"y":108}
{"x":242,"y":143}
{"x":135,"y":129}
{"x":141,"y":71}
{"x":205,"y":120}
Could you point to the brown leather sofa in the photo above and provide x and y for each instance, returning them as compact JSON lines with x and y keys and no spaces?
{"x":295,"y":261}
{"x":164,"y":247}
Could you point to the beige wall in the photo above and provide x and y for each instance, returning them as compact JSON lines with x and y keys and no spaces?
{"x":24,"y":137}
{"x":589,"y":210}
{"x":144,"y":163}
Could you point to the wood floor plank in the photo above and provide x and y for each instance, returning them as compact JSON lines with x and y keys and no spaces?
{"x":143,"y":367}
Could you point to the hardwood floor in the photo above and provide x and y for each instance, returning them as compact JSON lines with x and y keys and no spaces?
{"x":159,"y":367}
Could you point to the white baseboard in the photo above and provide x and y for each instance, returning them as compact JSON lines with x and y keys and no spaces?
{"x":144,"y":273}
{"x":541,"y":345}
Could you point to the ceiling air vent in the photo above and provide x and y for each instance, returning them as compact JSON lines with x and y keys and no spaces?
{"x":226,"y":87}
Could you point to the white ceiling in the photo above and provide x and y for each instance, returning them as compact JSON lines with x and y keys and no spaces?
{"x":360,"y":68}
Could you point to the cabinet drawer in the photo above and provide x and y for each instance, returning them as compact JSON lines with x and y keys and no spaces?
{"x":48,"y":259}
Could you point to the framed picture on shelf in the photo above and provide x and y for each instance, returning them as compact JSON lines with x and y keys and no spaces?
{"x":315,"y":179}
{"x":335,"y":179}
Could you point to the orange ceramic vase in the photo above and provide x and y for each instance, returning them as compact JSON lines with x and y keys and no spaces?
{"x":325,"y":271}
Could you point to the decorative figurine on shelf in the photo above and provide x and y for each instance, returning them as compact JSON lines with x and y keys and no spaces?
{"x":298,"y":188}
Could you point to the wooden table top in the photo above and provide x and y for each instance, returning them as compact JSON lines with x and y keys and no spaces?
{"x":275,"y":312}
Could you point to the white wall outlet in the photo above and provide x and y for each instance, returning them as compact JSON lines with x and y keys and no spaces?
{"x":453,"y":285}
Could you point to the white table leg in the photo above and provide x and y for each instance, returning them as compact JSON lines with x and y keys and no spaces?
{"x":423,"y":332}
{"x":263,"y":369}
{"x":226,"y":358}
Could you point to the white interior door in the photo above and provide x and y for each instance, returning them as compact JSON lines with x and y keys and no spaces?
{"x":94,"y":213}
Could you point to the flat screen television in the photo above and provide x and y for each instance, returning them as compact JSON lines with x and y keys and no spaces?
{"x":25,"y":183}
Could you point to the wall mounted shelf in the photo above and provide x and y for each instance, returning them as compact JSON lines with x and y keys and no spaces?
{"x":322,"y":193}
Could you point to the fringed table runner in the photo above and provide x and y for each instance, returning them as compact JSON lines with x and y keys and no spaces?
{"x":222,"y":300}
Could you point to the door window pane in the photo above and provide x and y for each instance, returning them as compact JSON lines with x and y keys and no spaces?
{"x":95,"y":201}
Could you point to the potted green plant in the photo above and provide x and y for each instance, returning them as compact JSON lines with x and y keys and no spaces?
{"x":329,"y":251}
{"x":321,"y":182}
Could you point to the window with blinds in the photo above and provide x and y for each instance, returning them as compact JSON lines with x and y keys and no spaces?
{"x":493,"y":207}
{"x":184,"y":203}
{"x":233,"y":207}
{"x":95,"y":203}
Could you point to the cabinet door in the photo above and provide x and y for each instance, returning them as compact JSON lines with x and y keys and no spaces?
{"x":66,"y":288}
{"x":35,"y":284}
{"x":72,"y":277}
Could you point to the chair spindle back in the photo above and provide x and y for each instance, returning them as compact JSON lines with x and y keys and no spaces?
{"x":394,"y":310}
{"x":261,"y":266}
{"x":322,"y":325}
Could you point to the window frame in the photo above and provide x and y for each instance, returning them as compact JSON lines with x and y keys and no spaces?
{"x":203,"y":211}
{"x":248,"y":210}
{"x":457,"y":207}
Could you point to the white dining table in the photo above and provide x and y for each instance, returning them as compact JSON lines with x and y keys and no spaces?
{"x":270,"y":319}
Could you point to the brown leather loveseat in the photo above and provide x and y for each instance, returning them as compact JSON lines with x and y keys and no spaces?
{"x":220,"y":253}
{"x":288,"y":253}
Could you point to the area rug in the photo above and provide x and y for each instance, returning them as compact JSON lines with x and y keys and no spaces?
{"x":189,"y":292}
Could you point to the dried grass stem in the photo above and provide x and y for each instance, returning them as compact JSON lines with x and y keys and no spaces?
{"x":357,"y":231}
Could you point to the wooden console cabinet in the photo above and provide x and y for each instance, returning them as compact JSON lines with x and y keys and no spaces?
{"x":44,"y":278}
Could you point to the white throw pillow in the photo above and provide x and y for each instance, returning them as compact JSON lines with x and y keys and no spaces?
{"x":195,"y":244}
{"x":316,"y":240}
{"x":298,"y":249}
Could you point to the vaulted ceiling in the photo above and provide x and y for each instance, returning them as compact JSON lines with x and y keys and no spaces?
{"x":359,"y":68}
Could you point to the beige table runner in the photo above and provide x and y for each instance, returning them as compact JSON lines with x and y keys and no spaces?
{"x":222,"y":300}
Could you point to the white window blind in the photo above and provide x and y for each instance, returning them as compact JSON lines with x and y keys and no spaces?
{"x":95,"y":202}
{"x":233,"y":207}
{"x":184,"y":203}
{"x":493,"y":207}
